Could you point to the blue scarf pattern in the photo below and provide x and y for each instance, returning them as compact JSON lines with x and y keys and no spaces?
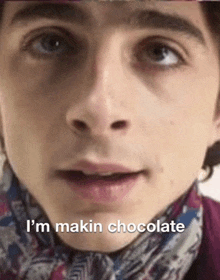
{"x":35,"y":255}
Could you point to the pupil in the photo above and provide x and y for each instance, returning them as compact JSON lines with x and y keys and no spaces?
{"x":51,"y":43}
{"x":159,"y":53}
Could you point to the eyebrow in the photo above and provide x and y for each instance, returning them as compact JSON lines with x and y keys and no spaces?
{"x":156,"y":19}
{"x":64,"y":12}
{"x":138,"y":19}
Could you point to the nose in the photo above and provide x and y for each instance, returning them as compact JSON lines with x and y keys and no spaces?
{"x":83,"y":126}
{"x":96,"y":116}
{"x":103,"y":107}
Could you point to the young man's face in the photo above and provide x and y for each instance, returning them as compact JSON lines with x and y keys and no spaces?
{"x":127,"y":88}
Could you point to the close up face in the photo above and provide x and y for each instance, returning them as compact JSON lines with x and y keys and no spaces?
{"x":128,"y":88}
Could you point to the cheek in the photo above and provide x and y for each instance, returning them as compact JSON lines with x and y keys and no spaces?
{"x":182,"y":144}
{"x":177,"y":120}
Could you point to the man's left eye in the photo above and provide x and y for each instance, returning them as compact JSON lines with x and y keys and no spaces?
{"x":158,"y":55}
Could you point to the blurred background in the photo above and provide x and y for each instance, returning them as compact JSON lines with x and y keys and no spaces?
{"x":211,"y":187}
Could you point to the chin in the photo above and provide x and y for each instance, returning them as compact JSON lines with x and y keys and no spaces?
{"x":104,"y":242}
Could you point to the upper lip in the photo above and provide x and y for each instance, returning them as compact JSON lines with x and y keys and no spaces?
{"x":88,"y":166}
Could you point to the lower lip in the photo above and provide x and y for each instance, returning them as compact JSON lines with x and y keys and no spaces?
{"x":103,"y":190}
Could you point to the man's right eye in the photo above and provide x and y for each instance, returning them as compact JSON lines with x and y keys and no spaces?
{"x":51,"y":44}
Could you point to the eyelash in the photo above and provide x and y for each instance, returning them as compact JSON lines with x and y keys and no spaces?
{"x":142,"y":54}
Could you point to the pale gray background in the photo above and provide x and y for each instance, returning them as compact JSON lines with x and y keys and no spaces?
{"x":211,"y":188}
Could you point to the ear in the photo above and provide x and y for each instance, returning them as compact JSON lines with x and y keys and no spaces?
{"x":1,"y":129}
{"x":215,"y":133}
{"x":1,"y":135}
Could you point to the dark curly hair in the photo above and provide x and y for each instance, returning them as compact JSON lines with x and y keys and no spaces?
{"x":211,"y":11}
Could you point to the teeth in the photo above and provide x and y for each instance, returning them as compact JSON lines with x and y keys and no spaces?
{"x":88,"y":173}
{"x":96,"y":173}
{"x":106,"y":174}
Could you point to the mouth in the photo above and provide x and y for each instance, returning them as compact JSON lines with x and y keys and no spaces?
{"x":100,"y":187}
{"x":85,"y":178}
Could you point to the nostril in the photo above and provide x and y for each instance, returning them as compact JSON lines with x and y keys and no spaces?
{"x":119,"y":125}
{"x":80,"y":125}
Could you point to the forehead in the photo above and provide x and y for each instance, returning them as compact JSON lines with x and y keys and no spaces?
{"x":104,"y":13}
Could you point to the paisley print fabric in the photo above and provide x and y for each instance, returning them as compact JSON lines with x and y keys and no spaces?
{"x":35,"y":255}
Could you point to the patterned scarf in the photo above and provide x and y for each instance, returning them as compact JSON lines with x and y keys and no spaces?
{"x":152,"y":256}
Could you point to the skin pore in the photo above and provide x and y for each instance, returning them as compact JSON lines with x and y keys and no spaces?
{"x":109,"y":89}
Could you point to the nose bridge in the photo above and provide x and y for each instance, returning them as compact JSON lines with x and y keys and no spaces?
{"x":108,"y":76}
{"x":103,"y":109}
{"x":108,"y":62}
